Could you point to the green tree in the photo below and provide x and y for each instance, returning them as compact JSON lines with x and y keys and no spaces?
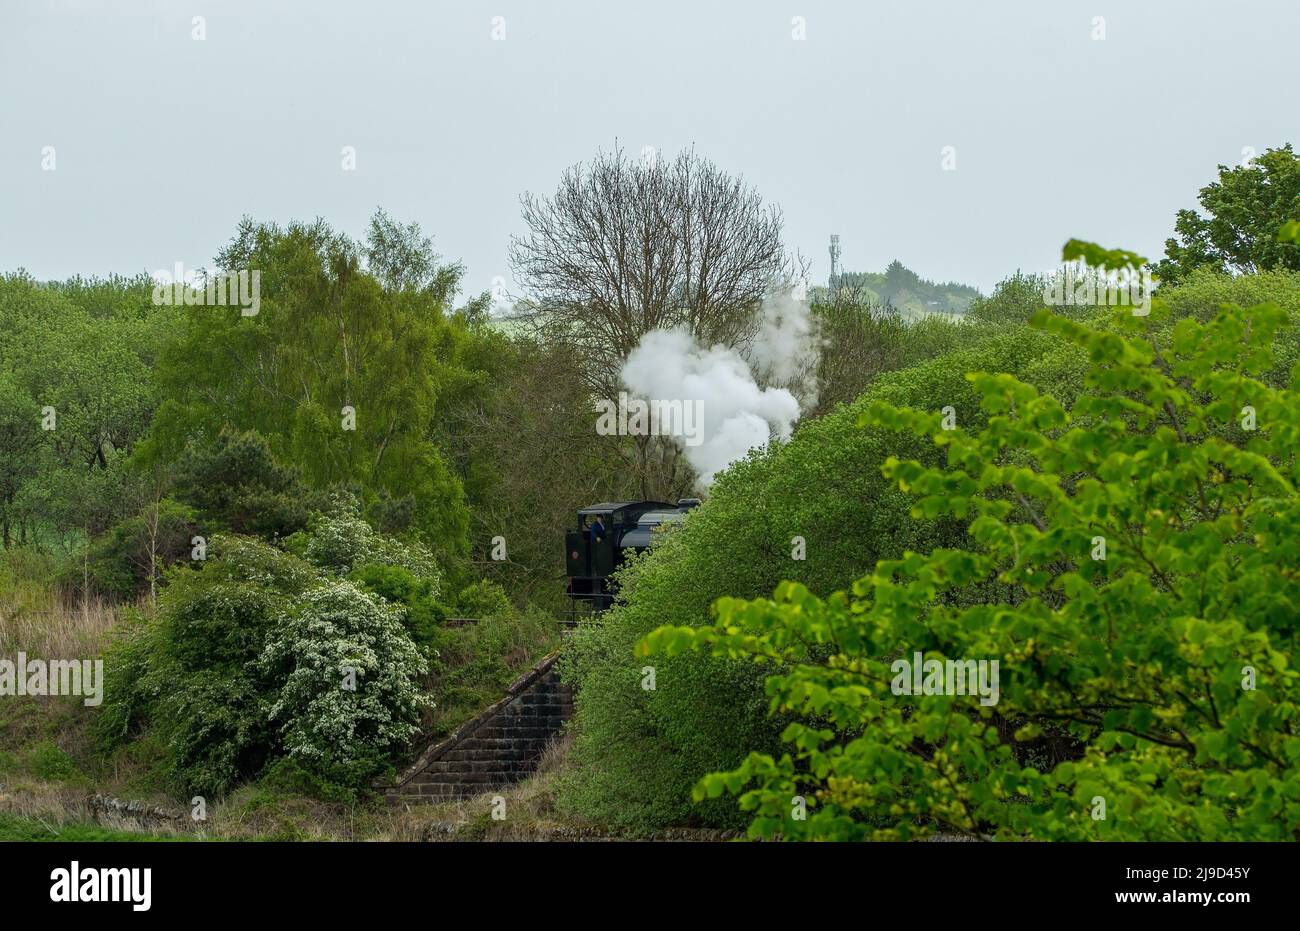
{"x":1243,"y":211}
{"x":75,"y":394}
{"x":20,"y":447}
{"x":1143,"y":545}
{"x":235,"y":483}
{"x":339,"y":370}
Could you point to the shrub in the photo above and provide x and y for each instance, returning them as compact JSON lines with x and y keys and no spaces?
{"x":1146,"y":537}
{"x":340,"y":540}
{"x":244,"y":666}
{"x":189,"y":673}
{"x":421,"y":614}
{"x":483,"y":598}
{"x":47,"y":761}
{"x":287,"y":778}
{"x":1013,"y":300}
{"x":346,"y":670}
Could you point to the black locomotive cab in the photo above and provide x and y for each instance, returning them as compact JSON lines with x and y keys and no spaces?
{"x":605,"y":534}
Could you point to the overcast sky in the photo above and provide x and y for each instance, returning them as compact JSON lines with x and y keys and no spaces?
{"x":162,"y":142}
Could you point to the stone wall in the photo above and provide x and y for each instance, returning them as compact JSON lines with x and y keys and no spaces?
{"x":497,"y":747}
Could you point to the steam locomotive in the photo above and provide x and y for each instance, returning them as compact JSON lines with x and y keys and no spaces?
{"x":605,"y":534}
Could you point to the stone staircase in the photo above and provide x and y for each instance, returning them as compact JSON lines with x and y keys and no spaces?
{"x":494,"y":749}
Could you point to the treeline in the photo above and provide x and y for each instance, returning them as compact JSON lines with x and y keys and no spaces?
{"x":907,"y":292}
{"x":131,"y":427}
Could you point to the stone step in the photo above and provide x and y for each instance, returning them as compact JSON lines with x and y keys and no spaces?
{"x":525,"y":738}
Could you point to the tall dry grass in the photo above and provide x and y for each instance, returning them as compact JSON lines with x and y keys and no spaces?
{"x":60,"y":631}
{"x":41,"y":621}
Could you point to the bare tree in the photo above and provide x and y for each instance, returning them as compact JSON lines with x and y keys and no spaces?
{"x":626,"y":246}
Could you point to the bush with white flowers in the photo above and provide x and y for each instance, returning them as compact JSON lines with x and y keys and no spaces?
{"x":263,"y":657}
{"x":347,"y":674}
{"x":341,"y":541}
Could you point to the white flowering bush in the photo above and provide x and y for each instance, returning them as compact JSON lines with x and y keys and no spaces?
{"x":262,"y":657}
{"x":347,"y":673}
{"x":341,"y":541}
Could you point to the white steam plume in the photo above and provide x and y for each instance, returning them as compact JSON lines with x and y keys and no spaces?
{"x":738,"y":415}
{"x":786,"y":349}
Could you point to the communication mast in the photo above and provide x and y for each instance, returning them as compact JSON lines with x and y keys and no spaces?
{"x":835,"y":261}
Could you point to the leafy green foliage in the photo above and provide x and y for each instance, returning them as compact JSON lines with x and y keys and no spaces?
{"x":1111,"y":260}
{"x":501,"y":427}
{"x":1167,"y":660}
{"x":47,"y":761}
{"x":346,"y":671}
{"x":263,"y":656}
{"x":422,"y":614}
{"x":1014,"y":300}
{"x":75,"y":398}
{"x":484,"y":598}
{"x":861,"y":340}
{"x":340,"y":370}
{"x":1247,"y":217}
{"x":637,"y":752}
{"x":236,"y":485}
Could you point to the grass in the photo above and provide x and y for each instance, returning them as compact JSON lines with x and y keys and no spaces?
{"x":58,"y":631}
{"x":18,"y":828}
{"x":47,"y":811}
{"x":43,"y":739}
{"x":37,"y":619}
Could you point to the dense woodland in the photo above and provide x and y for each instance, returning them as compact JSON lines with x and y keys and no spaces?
{"x":229,"y":508}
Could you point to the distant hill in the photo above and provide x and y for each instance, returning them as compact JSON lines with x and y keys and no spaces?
{"x":909,"y":293}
